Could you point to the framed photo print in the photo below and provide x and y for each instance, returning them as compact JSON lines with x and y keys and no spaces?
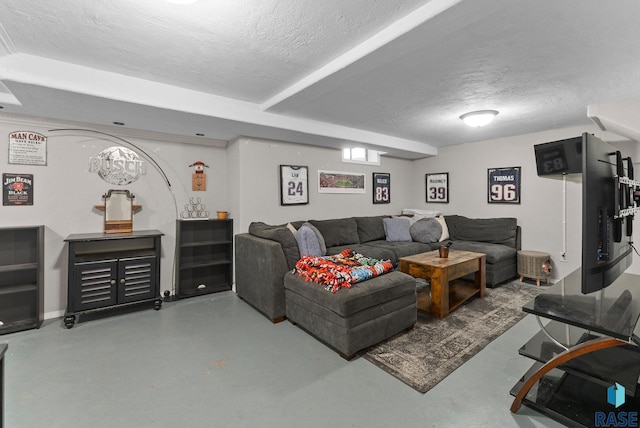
{"x":381,"y":188}
{"x":294,"y":185}
{"x":437,"y":186}
{"x":503,"y":185}
{"x":17,"y":189}
{"x":340,"y":182}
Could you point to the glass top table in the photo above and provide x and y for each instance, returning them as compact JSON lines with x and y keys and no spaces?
{"x":591,"y":342}
{"x":613,"y":311}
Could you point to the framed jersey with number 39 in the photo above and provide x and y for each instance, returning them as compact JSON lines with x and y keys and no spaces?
{"x":437,"y":186}
{"x":503,"y":185}
{"x":294,"y":185}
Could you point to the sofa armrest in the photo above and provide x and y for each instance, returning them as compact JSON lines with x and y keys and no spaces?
{"x":260,"y":267}
{"x":518,"y":238}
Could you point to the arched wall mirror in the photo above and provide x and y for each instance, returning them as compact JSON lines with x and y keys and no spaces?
{"x":118,"y":211}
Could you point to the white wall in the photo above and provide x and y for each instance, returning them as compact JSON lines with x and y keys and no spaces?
{"x":244,"y":179}
{"x":543,"y":200}
{"x":65,"y":194}
{"x":549,"y":212}
{"x":258,"y":175}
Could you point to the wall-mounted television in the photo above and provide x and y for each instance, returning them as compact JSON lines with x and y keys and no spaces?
{"x":606,"y":236}
{"x":606,"y":231}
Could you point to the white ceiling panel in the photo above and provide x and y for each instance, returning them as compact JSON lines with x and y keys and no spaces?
{"x":393,"y":75}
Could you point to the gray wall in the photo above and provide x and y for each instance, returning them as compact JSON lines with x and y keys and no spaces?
{"x":65,"y":194}
{"x":257,"y":187}
{"x":243,"y":178}
{"x":545,"y":227}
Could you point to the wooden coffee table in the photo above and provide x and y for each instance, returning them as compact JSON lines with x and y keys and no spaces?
{"x":448,"y":291}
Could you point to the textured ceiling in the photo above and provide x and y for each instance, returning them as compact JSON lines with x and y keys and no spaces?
{"x":393,"y":75}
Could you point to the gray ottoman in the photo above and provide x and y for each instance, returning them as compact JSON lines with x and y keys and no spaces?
{"x":353,"y":318}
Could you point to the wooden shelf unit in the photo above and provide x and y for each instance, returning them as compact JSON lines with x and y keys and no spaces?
{"x":204,"y":256}
{"x":21,"y":278}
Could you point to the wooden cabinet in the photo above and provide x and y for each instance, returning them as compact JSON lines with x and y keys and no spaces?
{"x":21,"y":278}
{"x":204,"y":256}
{"x":110,"y":270}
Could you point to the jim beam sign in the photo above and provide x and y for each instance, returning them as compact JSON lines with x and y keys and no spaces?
{"x":118,"y":165}
{"x":27,"y":148}
{"x":17,"y":189}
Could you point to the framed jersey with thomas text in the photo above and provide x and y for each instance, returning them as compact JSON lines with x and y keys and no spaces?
{"x":503,"y":185}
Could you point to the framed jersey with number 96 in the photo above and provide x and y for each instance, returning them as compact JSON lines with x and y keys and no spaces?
{"x":294,"y":185}
{"x":503,"y":185}
{"x":437,"y":186}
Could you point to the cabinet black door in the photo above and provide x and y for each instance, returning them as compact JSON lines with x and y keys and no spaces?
{"x":137,"y":279}
{"x":94,"y":285}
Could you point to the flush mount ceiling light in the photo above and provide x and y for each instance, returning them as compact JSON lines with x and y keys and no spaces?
{"x":479,"y":118}
{"x":181,"y":1}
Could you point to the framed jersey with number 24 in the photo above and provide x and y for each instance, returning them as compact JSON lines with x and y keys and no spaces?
{"x":294,"y":185}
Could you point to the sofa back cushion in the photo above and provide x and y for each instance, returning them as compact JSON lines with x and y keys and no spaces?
{"x":426,"y":230}
{"x":502,"y":230}
{"x":370,"y":228}
{"x":397,"y":229}
{"x":308,"y":242}
{"x":279,"y":234}
{"x":341,"y":231}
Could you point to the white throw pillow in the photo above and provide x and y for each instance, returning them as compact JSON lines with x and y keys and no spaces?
{"x":445,"y":229}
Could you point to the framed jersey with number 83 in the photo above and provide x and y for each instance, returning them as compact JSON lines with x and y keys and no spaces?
{"x":294,"y":185}
{"x":381,"y":188}
{"x":437,"y":186}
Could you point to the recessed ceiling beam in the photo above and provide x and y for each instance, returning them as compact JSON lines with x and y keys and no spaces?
{"x":380,"y":39}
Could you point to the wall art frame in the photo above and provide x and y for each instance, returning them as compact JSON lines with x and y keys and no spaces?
{"x":17,"y":189}
{"x":503,"y":185}
{"x":294,"y":185}
{"x":341,"y":182}
{"x":381,"y":188}
{"x":437,"y":188}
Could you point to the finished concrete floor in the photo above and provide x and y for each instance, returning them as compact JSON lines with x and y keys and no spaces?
{"x":213,"y":361}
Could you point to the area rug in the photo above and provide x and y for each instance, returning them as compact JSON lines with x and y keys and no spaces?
{"x":435,"y":347}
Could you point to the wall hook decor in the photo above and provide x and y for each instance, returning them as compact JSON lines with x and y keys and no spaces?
{"x":199,"y":178}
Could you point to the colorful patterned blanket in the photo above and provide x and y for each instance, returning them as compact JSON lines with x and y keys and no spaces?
{"x":341,"y":270}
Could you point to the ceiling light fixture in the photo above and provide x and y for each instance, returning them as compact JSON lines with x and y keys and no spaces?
{"x":479,"y":118}
{"x":181,"y":1}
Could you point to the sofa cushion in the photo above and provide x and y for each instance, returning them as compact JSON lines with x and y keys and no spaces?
{"x":501,"y":230}
{"x":370,"y":228}
{"x":280,"y":234}
{"x":426,"y":230}
{"x":403,"y":249}
{"x":360,"y":296}
{"x":308,"y":243}
{"x":374,"y":252}
{"x":323,"y":245}
{"x":342,"y":231}
{"x":445,"y":229}
{"x":495,"y":252}
{"x":397,"y":229}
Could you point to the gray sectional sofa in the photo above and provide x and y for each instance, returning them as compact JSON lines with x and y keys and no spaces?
{"x":265,"y":254}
